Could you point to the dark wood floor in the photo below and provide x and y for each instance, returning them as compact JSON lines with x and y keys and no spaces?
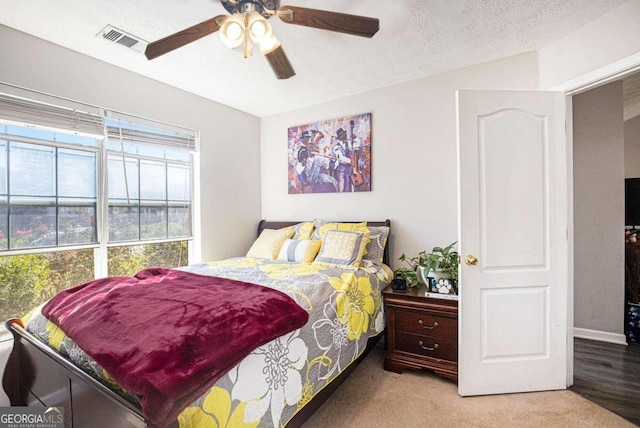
{"x":609,"y":375}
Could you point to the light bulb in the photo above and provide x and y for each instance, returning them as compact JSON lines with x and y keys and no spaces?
{"x":232,"y":31}
{"x":259,"y":28}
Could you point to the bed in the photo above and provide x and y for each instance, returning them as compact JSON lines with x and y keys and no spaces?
{"x":46,"y":368}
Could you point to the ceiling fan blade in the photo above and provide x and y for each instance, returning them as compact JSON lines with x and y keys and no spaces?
{"x":181,"y":38}
{"x":280,"y":63}
{"x":332,"y":21}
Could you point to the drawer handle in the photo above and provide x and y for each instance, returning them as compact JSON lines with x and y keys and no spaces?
{"x":435,"y":324}
{"x":426,"y":348}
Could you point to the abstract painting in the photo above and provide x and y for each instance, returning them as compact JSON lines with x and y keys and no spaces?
{"x":331,"y":156}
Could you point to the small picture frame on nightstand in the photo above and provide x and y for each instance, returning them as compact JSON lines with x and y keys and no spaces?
{"x":399,"y":284}
{"x":445,"y":286}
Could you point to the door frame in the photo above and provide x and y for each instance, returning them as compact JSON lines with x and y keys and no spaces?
{"x":600,"y":76}
{"x":585,"y":82}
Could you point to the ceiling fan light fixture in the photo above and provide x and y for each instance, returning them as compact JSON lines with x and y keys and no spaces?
{"x":232,"y":31}
{"x":258,"y":27}
{"x":247,"y":25}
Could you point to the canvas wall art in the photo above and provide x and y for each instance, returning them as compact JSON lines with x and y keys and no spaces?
{"x":331,"y":156}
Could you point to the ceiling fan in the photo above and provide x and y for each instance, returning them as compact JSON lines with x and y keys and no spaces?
{"x":247,"y":25}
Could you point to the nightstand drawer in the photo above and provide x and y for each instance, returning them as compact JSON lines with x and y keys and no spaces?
{"x":427,"y":346}
{"x":425,"y":323}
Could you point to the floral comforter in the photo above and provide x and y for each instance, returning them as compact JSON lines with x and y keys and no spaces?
{"x":276,"y":380}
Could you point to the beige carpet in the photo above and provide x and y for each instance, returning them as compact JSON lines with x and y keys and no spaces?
{"x":372,"y":397}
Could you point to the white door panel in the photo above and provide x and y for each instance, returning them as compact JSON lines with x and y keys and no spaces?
{"x":513,"y":219}
{"x":519,"y":180}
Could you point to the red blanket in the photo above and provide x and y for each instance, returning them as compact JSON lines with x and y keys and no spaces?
{"x":167,"y":336}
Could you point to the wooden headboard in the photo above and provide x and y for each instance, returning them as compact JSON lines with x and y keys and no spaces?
{"x":264,"y":224}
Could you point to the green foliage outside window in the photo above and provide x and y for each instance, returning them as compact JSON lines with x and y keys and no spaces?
{"x":30,"y":279}
{"x":127,"y":260}
{"x":24,"y":283}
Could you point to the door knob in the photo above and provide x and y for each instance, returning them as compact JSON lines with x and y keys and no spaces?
{"x":471,"y":260}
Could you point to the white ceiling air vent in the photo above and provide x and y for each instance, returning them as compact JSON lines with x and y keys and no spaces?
{"x":123,"y":38}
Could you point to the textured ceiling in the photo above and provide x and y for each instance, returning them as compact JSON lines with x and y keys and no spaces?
{"x":417,"y":38}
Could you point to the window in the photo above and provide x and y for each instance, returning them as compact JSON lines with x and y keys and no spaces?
{"x":148,"y":199}
{"x":83,"y":195}
{"x":42,"y":202}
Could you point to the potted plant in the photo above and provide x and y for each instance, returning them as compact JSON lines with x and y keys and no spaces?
{"x":441,"y":265}
{"x":431,"y":268}
{"x":411,"y":274}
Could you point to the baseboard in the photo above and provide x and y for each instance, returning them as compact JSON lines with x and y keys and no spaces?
{"x":602,"y":336}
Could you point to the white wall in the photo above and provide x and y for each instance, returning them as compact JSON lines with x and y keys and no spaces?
{"x":229,"y":146}
{"x":598,"y":158}
{"x":413,"y":155}
{"x":606,"y":40}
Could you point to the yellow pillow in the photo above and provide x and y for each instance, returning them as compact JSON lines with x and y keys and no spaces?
{"x":302,"y":230}
{"x":269,"y":242}
{"x":321,"y":229}
{"x":299,"y":250}
{"x":342,"y":248}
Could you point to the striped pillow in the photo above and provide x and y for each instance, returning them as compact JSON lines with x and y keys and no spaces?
{"x":294,"y":250}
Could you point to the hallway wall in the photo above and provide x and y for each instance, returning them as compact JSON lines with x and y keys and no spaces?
{"x":598,"y":158}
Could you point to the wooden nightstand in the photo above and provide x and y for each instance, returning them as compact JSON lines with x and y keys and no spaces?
{"x":422,"y":332}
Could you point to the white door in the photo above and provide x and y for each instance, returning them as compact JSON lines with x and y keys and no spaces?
{"x":513,"y":211}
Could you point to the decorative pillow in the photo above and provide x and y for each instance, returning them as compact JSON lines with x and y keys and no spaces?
{"x":374,"y":250}
{"x":317,"y":224}
{"x":342,"y":248}
{"x":321,"y":227}
{"x":295,"y":250}
{"x":302,"y":230}
{"x":269,"y":242}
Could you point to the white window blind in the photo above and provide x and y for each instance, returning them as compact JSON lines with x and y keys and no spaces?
{"x":155,"y":134}
{"x":25,"y":112}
